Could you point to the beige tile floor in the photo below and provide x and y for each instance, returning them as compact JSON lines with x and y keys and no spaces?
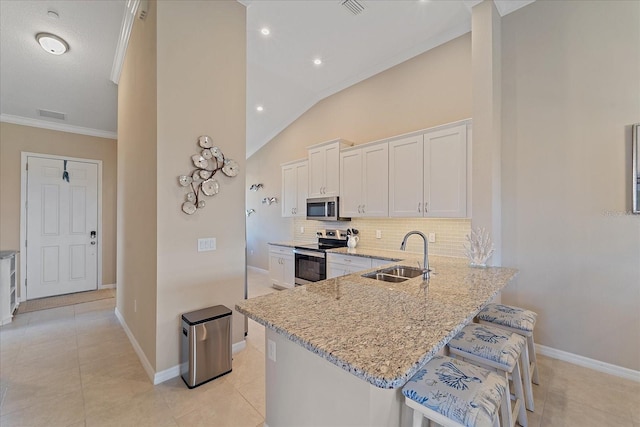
{"x":74,"y":366}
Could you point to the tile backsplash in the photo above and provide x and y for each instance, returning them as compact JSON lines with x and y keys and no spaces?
{"x":450,"y":233}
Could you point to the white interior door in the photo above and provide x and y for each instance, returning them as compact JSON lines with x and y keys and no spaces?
{"x":62,"y":226}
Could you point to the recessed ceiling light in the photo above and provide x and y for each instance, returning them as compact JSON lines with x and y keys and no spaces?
{"x":317,"y":61}
{"x":265,"y":31}
{"x":259,"y":108}
{"x":52,"y":43}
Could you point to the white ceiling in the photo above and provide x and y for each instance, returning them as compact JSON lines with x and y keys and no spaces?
{"x":76,"y":83}
{"x":280,"y":73}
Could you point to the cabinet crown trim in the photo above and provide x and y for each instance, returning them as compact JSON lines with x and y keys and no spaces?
{"x":333,"y":141}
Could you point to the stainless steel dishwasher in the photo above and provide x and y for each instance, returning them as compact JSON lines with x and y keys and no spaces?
{"x":205,"y":350}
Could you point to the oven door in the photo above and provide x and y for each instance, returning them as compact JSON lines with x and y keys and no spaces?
{"x":310,"y":266}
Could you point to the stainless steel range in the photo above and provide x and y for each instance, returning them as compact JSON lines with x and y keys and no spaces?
{"x":311,"y":260}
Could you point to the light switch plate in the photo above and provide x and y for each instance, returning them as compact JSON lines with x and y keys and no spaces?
{"x":378,"y":234}
{"x":207,"y":244}
{"x":432,"y":237}
{"x":271,"y":350}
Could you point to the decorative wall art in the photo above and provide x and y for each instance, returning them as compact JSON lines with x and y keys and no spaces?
{"x":269,"y":200}
{"x":202,"y":182}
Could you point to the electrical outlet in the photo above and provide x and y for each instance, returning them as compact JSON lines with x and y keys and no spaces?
{"x":207,"y":244}
{"x":301,"y":230}
{"x":271,"y":350}
{"x":432,"y":237}
{"x":378,"y":234}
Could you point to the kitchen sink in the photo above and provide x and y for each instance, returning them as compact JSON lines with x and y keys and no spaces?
{"x":385,"y":277}
{"x":402,"y":271}
{"x":395,"y":274}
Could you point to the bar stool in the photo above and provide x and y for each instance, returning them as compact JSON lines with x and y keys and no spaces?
{"x":497,"y":349}
{"x":455,"y":393}
{"x":514,"y":319}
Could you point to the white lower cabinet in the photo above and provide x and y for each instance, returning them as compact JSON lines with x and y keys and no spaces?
{"x":378,"y":262}
{"x":281,"y":266}
{"x":341,"y":265}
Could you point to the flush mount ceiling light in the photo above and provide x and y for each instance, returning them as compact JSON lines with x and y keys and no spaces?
{"x":265,"y":31}
{"x":52,"y":43}
{"x":317,"y":61}
{"x":259,"y":108}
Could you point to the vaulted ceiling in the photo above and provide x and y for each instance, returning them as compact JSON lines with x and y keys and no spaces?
{"x":354,"y":39}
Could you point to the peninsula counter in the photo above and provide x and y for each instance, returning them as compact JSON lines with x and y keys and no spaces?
{"x":344,"y":347}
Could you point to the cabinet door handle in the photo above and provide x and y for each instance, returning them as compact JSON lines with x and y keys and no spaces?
{"x":425,"y":207}
{"x":362,"y":208}
{"x":419,"y":204}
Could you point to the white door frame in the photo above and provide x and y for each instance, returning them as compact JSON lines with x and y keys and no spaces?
{"x":23,"y":214}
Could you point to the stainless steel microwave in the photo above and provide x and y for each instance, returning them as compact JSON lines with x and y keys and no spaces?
{"x":324,"y":209}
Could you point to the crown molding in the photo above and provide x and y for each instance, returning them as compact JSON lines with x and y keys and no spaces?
{"x":25,"y":121}
{"x":123,"y":40}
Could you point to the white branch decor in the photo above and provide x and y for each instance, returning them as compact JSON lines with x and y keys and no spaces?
{"x":480,"y":247}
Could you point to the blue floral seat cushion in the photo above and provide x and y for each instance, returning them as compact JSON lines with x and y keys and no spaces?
{"x":506,"y":315}
{"x":489,"y":342}
{"x":458,"y":390}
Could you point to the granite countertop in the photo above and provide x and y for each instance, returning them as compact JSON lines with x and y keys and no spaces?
{"x":289,"y":244}
{"x":381,"y":332}
{"x":376,"y":253}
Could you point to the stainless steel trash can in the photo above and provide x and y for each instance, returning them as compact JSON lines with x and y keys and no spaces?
{"x":205,"y":350}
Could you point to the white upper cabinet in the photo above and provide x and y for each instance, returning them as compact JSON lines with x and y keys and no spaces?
{"x":428,"y":174}
{"x":445,"y":173}
{"x":295,"y":179}
{"x":406,"y":177}
{"x":324,"y":168}
{"x":364,"y":184}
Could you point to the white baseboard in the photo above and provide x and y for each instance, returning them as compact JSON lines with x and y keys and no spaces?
{"x":167,"y":374}
{"x":174,"y":371}
{"x":586,"y":362}
{"x":110,"y":286}
{"x":239,"y":346}
{"x":257,"y":269}
{"x":143,"y":358}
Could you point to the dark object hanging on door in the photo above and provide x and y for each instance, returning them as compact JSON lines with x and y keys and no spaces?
{"x":65,"y":174}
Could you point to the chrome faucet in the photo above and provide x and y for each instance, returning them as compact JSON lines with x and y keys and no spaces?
{"x":425,"y":264}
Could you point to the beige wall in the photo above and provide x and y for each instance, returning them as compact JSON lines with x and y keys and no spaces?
{"x":201,"y":90}
{"x":431,"y":89}
{"x":571,"y":90}
{"x":15,"y":139}
{"x":137,"y":186}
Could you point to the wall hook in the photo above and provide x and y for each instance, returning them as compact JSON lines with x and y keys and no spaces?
{"x":255,"y":187}
{"x":269,"y":200}
{"x":248,"y":212}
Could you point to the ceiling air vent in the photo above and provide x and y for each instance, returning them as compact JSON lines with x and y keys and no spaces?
{"x":51,"y":114}
{"x":353,"y":6}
